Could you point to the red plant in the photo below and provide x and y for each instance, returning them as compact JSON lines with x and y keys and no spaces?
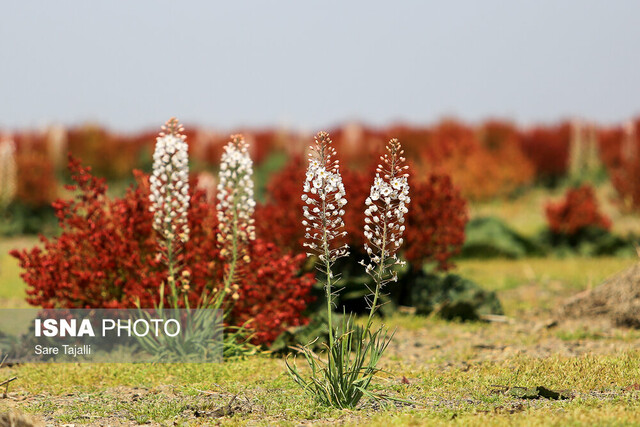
{"x":107,"y":256}
{"x":548,"y":149}
{"x":620,"y":151}
{"x":435,"y":223}
{"x":279,"y":219}
{"x":483,"y":164}
{"x":506,"y":163}
{"x":271,"y":292}
{"x":36,"y":179}
{"x":577,"y":211}
{"x":610,"y":142}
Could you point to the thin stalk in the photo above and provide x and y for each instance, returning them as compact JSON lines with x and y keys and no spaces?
{"x":229,"y":279}
{"x":327,"y":260}
{"x":380,"y":273}
{"x":172,"y":278}
{"x":382,"y":255}
{"x":327,"y":264}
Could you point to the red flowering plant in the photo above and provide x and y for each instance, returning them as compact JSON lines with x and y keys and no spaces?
{"x":32,"y":182}
{"x":36,"y":180}
{"x":576,"y":217}
{"x":435,"y":223}
{"x":278,"y":218}
{"x":483,"y":163}
{"x":107,"y":256}
{"x":548,"y":149}
{"x":620,"y":151}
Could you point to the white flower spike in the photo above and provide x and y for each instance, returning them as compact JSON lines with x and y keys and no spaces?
{"x":324,"y":195}
{"x":170,"y":183}
{"x":236,"y":204}
{"x":385,"y":212}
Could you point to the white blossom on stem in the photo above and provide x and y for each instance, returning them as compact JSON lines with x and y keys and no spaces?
{"x":170,"y":184}
{"x":8,"y":172}
{"x":235,"y":196}
{"x":385,"y":212}
{"x":324,"y":197}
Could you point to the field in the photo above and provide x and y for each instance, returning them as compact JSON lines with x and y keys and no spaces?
{"x":550,"y":234}
{"x":449,"y":372}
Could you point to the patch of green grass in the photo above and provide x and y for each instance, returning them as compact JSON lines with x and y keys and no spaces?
{"x":579,"y":334}
{"x":265,"y":395}
{"x":12,"y":288}
{"x":539,"y":283}
{"x":576,"y":273}
{"x":525,"y":213}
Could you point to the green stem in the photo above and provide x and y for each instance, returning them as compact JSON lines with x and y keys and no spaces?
{"x":327,"y":265}
{"x":229,"y":278}
{"x":378,"y":278}
{"x":172,"y":278}
{"x":327,"y":261}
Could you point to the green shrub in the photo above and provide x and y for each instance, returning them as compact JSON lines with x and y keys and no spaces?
{"x":491,"y":238}
{"x":20,"y":218}
{"x":452,"y":297}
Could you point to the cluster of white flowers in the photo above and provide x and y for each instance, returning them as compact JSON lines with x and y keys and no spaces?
{"x":324,"y":195}
{"x":170,"y":183}
{"x":8,"y":172}
{"x":235,"y":193}
{"x":385,"y":214}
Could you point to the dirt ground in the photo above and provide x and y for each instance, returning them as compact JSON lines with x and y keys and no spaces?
{"x":441,"y":347}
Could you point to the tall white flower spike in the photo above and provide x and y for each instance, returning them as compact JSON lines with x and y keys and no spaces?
{"x":235,"y":192}
{"x":385,"y":212}
{"x":236,"y":206}
{"x":324,"y":195}
{"x":170,"y":184}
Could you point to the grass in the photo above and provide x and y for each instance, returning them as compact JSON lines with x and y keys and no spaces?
{"x":455,"y":373}
{"x":525,"y":212}
{"x":538,"y":283}
{"x":12,"y":288}
{"x":265,"y":395}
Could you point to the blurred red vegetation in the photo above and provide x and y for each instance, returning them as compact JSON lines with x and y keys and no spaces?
{"x":36,"y":179}
{"x":279,"y":219}
{"x":483,"y":164}
{"x":485,"y":161}
{"x":610,"y":146}
{"x":548,"y":149}
{"x":620,"y":152}
{"x":106,"y":256}
{"x":577,"y":211}
{"x":435,"y":223}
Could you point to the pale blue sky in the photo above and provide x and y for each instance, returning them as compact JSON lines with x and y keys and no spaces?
{"x":311,"y":64}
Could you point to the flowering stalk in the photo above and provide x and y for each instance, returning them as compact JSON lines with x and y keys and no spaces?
{"x":235,"y":209}
{"x":324,"y":195}
{"x":170,"y":197}
{"x":384,"y":221}
{"x":353,"y":352}
{"x":8,"y":173}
